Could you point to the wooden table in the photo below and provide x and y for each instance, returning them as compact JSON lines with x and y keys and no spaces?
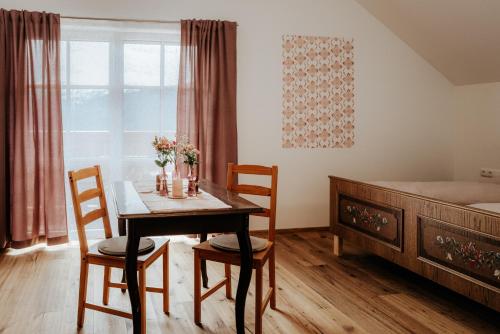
{"x":142,"y":223}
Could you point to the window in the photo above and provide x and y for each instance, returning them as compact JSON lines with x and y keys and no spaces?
{"x":119,"y":90}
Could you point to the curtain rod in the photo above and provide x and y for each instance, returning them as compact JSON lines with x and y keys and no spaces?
{"x":115,"y":19}
{"x":118,"y":20}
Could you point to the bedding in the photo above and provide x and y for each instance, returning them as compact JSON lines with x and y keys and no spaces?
{"x":495,"y":207}
{"x":458,"y":192}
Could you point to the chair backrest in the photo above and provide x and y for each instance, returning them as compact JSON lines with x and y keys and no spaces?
{"x":271,"y":192}
{"x":84,"y":196}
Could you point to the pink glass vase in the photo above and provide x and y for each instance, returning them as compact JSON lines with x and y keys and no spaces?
{"x":161,"y":183}
{"x":192,"y":182}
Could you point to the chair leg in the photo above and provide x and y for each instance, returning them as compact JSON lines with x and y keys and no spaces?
{"x":105,"y":285}
{"x":142,"y":296}
{"x":197,"y":287}
{"x":82,"y":297}
{"x":166,"y":297}
{"x":258,"y":300}
{"x":204,"y":275}
{"x":227,"y":269}
{"x":272,"y":278}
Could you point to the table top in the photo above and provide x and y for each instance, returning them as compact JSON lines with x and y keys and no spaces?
{"x":129,"y":205}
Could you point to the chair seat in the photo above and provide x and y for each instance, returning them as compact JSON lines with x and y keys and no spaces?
{"x":208,"y":252}
{"x":229,"y":242}
{"x":96,"y":257}
{"x":118,"y":246}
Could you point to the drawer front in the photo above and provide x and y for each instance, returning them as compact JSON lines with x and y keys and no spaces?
{"x":462,"y":250}
{"x":378,"y":221}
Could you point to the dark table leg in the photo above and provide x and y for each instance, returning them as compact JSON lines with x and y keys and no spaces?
{"x":204,"y":276}
{"x":122,"y":231}
{"x":122,"y":227}
{"x":245,"y":277}
{"x":131,"y":274}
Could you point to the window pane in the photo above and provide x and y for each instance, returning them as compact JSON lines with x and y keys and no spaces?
{"x":170,"y":109}
{"x":141,"y":109}
{"x":89,"y":110}
{"x":65,"y":114}
{"x":172,"y":57}
{"x":138,"y":145}
{"x":87,"y":145}
{"x":64,"y":64}
{"x":141,"y":64}
{"x":89,"y":63}
{"x":142,"y":169}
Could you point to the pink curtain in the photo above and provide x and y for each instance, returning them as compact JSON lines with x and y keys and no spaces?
{"x":206,"y":101}
{"x":31,"y":104}
{"x":4,"y":217}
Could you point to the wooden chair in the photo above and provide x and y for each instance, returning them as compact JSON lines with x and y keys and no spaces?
{"x":93,"y":256}
{"x":206,"y":250}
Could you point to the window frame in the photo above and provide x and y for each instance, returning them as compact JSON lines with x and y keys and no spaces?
{"x":116,"y":39}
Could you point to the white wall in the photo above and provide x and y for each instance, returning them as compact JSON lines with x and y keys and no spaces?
{"x":477,"y":130}
{"x":402,"y":103}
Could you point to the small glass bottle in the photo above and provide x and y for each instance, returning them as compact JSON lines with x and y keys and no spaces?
{"x":158,"y":182}
{"x":192,"y":186}
{"x":163,"y":185}
{"x":192,"y":182}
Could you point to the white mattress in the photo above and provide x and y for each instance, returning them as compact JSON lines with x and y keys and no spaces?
{"x":495,"y":207}
{"x":458,"y":192}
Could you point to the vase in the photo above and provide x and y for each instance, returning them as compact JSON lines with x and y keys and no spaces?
{"x":192,"y":182}
{"x":161,"y":183}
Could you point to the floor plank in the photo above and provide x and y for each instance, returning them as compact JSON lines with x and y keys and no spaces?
{"x":317,"y":293}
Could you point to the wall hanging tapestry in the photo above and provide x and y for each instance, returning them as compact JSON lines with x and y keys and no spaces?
{"x":318,"y":92}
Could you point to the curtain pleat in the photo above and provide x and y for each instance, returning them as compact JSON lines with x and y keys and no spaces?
{"x":206,"y":100}
{"x":30,"y":83}
{"x":4,"y":202}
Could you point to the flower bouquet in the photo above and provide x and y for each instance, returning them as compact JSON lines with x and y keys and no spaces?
{"x":165,"y":154}
{"x":190,"y":155}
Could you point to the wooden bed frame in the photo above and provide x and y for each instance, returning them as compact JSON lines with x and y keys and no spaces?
{"x":453,"y":245}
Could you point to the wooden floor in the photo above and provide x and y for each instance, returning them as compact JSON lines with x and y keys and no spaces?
{"x":316,"y":294}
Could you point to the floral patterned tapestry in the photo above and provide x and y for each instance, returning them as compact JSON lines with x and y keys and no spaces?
{"x":318,"y":92}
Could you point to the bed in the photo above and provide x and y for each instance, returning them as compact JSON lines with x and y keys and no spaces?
{"x":448,"y":232}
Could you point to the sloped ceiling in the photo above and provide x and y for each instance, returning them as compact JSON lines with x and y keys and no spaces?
{"x":460,"y":38}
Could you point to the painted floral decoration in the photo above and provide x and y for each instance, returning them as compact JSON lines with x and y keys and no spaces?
{"x":362,"y":216}
{"x":469,"y":254}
